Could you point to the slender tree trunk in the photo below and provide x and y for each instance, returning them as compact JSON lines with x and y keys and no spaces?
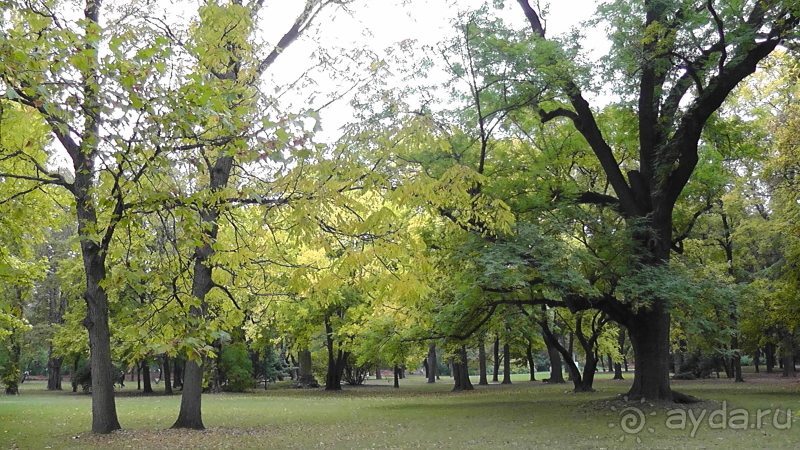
{"x":756,"y":358}
{"x":396,"y":376}
{"x":769,"y":354}
{"x":531,"y":362}
{"x":58,"y":305}
{"x":506,"y":364}
{"x":496,"y":369}
{"x":432,"y":363}
{"x":177,"y":382}
{"x":333,"y":379}
{"x":166,"y":373}
{"x":378,"y":375}
{"x":737,"y":359}
{"x":483,"y":381}
{"x":148,"y":385}
{"x":787,"y":355}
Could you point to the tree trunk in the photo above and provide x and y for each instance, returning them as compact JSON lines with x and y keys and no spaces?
{"x":54,"y":371}
{"x":166,"y":374}
{"x":677,"y":361}
{"x":556,"y":369}
{"x":432,"y":363}
{"x":57,"y":307}
{"x":506,"y":364}
{"x":396,"y":376}
{"x":333,"y":379}
{"x":787,"y":355}
{"x":618,"y":372}
{"x":736,"y":361}
{"x":461,"y":372}
{"x":496,"y":360}
{"x":104,"y":407}
{"x":378,"y":375}
{"x":305,"y":374}
{"x":190,"y":414}
{"x":177,"y":382}
{"x":483,"y":381}
{"x":756,"y":358}
{"x":649,"y":333}
{"x":769,"y":355}
{"x":148,"y":385}
{"x":531,"y":362}
{"x":610,"y":363}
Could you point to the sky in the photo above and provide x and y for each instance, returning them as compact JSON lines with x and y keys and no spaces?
{"x":383,"y":23}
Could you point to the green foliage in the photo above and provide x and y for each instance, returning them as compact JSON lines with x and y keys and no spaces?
{"x":236,"y":368}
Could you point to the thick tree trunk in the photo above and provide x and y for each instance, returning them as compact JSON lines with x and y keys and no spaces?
{"x":433,"y":364}
{"x":305,"y":374}
{"x":483,"y":381}
{"x":531,"y":362}
{"x":649,"y":333}
{"x":396,"y":376}
{"x":54,"y":371}
{"x":190,"y":415}
{"x":461,"y":372}
{"x":556,"y":369}
{"x":496,"y":369}
{"x":378,"y":375}
{"x":506,"y":364}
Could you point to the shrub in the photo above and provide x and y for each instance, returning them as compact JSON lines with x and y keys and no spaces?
{"x":236,"y":368}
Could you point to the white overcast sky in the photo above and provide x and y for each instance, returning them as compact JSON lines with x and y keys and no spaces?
{"x":382,"y":23}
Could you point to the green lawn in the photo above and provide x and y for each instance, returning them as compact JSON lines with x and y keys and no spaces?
{"x":523,"y":415}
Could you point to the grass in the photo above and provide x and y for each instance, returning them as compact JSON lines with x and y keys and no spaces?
{"x":418,"y":415}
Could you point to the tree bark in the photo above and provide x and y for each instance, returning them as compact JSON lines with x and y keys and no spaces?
{"x":531,"y":362}
{"x":556,"y":369}
{"x":787,"y":355}
{"x":769,"y":355}
{"x":432,"y":363}
{"x":649,"y":333}
{"x":177,"y":381}
{"x":190,"y":414}
{"x":54,"y":371}
{"x":506,"y":364}
{"x":496,"y":369}
{"x":483,"y":381}
{"x":396,"y":376}
{"x":148,"y":385}
{"x":461,"y":371}
{"x":166,"y":374}
{"x":333,"y":379}
{"x":305,"y":374}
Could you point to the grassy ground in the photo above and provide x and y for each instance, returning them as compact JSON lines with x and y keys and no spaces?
{"x":523,"y":415}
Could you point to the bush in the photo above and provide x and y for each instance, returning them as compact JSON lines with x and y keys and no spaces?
{"x":236,"y":368}
{"x":82,"y":378}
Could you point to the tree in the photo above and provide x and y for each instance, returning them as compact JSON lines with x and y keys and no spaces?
{"x":677,"y":54}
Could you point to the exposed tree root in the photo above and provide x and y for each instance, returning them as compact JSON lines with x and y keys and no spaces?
{"x":678,"y":397}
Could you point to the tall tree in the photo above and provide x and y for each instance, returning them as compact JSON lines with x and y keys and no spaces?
{"x":685,"y":61}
